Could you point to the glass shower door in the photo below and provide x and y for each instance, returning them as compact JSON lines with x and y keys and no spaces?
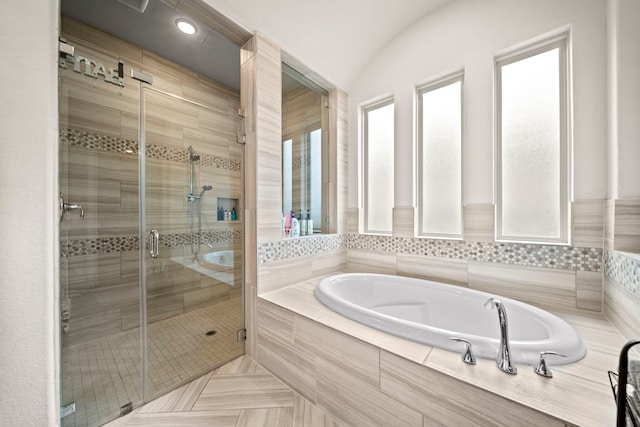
{"x":133,"y":160}
{"x":193,"y":268}
{"x":99,"y":274}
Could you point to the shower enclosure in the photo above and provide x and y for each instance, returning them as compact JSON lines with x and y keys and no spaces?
{"x":151,"y":280}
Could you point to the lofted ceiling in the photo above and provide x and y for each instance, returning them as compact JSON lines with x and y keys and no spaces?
{"x":335,"y":38}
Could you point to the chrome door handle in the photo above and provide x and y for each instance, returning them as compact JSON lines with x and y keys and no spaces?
{"x":66,"y":207}
{"x":154,"y":243}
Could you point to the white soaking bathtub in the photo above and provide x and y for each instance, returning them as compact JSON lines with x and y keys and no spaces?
{"x":431,"y":312}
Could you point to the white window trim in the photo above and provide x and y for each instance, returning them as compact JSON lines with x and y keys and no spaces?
{"x":561,"y":41}
{"x":420,"y":89}
{"x":364,"y":108}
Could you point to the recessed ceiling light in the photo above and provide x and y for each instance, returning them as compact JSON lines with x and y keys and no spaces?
{"x":186,"y":26}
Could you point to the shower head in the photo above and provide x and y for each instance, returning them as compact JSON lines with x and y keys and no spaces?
{"x":205,"y":188}
{"x":193,"y":156}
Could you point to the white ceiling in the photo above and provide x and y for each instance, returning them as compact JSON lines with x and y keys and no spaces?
{"x":335,"y":38}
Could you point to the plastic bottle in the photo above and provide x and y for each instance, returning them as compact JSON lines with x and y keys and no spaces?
{"x":234,"y":215}
{"x":295,"y":225}
{"x":286,"y":223}
{"x":309,"y":223}
{"x":303,"y":224}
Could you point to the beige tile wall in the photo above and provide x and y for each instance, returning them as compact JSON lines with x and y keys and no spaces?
{"x":102,"y":288}
{"x":338,"y":150}
{"x":569,"y":290}
{"x":357,"y":383}
{"x":622,"y":234}
{"x":479,"y":222}
{"x":587,"y":222}
{"x":626,"y":225}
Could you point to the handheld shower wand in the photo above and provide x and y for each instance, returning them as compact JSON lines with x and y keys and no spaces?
{"x":204,"y":188}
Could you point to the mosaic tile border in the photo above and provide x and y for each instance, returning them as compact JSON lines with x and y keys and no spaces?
{"x":623,"y":270}
{"x":295,"y":247}
{"x":107,"y":245}
{"x":531,"y":255}
{"x":96,"y":141}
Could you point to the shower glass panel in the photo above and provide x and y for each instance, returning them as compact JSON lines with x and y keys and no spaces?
{"x":135,"y":159}
{"x":194,"y":304}
{"x":99,"y":273}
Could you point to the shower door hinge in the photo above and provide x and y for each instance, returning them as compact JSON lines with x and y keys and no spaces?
{"x":241,"y":335}
{"x":68,"y":409}
{"x":65,"y":48}
{"x":140,"y":76}
{"x":241,"y":138}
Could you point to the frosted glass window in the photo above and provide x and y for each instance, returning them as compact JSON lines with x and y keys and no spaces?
{"x":378,"y":167}
{"x":532,"y":199}
{"x":315,"y":146}
{"x":440,"y":159}
{"x":287,"y":173}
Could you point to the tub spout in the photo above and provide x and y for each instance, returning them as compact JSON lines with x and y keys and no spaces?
{"x":503,"y":360}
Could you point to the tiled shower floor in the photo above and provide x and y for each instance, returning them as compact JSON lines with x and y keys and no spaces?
{"x":102,"y":375}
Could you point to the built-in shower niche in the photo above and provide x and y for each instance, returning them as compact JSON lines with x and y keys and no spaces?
{"x":228,"y":209}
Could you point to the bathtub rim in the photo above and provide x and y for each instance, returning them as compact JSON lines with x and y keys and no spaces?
{"x":519,"y":348}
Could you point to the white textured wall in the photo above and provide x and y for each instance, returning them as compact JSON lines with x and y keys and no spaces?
{"x":624,"y":98}
{"x":467,"y":34}
{"x":28,"y":229}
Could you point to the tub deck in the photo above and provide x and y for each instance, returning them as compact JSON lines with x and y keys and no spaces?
{"x":578,"y":394}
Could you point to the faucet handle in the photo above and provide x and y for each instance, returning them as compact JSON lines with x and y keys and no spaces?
{"x":542,"y":368}
{"x":467,"y":356}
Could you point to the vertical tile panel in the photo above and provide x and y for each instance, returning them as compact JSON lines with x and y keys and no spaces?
{"x":278,"y":351}
{"x":544,"y":287}
{"x":278,"y":274}
{"x":364,"y":261}
{"x":589,"y":290}
{"x":337,"y":351}
{"x":627,"y":225}
{"x":342,"y":177}
{"x":328,"y":262}
{"x":404,"y":221}
{"x":355,"y":402}
{"x":268,"y":116}
{"x":453,"y":271}
{"x":353,"y":220}
{"x":587,"y":223}
{"x":449,"y":402}
{"x":622,"y":309}
{"x":479,"y":222}
{"x":609,"y":223}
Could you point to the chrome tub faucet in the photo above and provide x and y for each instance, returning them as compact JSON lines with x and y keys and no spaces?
{"x":503,"y":360}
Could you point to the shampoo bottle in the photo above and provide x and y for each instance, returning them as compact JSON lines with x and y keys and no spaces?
{"x":295,"y":225}
{"x":309,"y":223}
{"x":303,"y":224}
